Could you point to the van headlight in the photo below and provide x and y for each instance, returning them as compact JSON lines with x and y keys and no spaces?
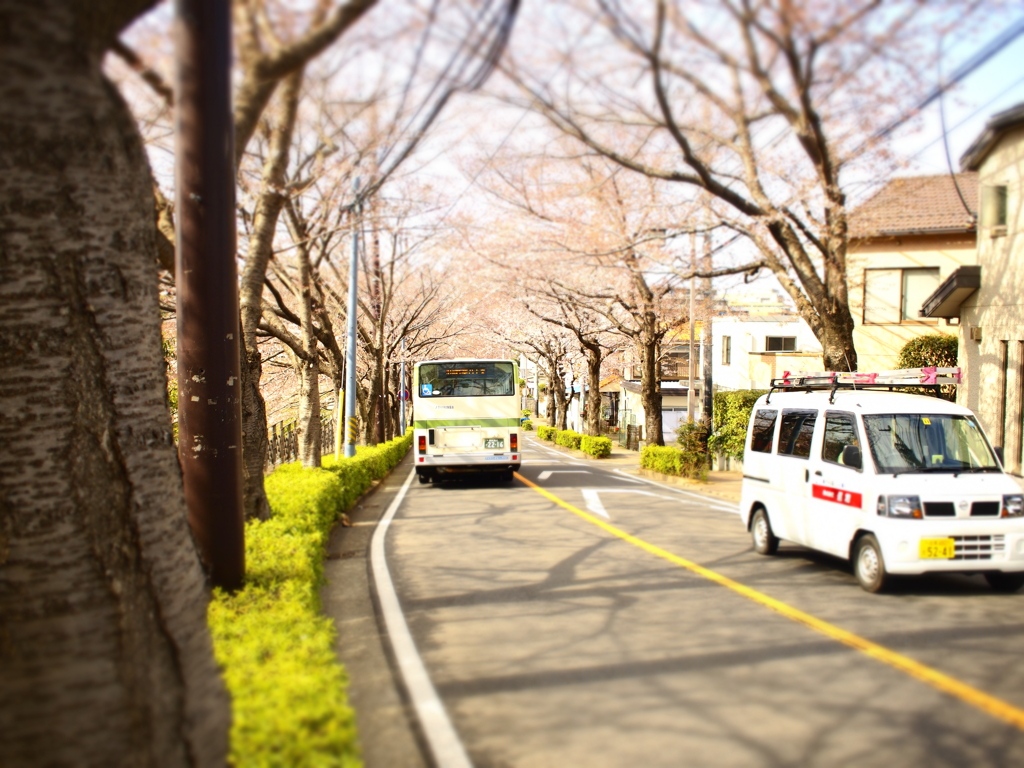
{"x":1013,"y":505}
{"x":901,"y":506}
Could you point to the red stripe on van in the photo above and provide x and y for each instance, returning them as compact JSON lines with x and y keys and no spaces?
{"x":837,"y":496}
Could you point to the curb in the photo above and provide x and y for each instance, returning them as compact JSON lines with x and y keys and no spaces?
{"x":690,"y":485}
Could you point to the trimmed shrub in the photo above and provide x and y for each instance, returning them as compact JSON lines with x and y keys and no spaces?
{"x":675,"y":461}
{"x":936,"y":349}
{"x":568,"y":438}
{"x":527,"y":426}
{"x":731,"y":415}
{"x":272,"y":641}
{"x":596,"y":446}
{"x":547,"y":433}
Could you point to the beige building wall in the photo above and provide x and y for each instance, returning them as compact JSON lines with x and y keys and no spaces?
{"x":992,"y":318}
{"x":878,"y":345}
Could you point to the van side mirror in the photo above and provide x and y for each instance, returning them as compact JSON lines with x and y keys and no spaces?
{"x":999,"y":453}
{"x":852,"y":457}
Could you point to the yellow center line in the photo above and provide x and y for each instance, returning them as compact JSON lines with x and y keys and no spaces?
{"x":983,"y":701}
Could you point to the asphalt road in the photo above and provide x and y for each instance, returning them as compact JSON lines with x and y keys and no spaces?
{"x":552,"y":638}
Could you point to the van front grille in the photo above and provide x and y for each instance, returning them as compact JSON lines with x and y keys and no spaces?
{"x":978,"y":547}
{"x":939,"y":509}
{"x":985,"y":509}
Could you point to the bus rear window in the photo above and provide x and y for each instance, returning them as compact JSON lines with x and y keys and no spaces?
{"x":470,"y":379}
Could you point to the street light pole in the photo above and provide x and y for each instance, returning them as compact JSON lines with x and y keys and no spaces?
{"x":350,"y":348}
{"x":210,"y":415}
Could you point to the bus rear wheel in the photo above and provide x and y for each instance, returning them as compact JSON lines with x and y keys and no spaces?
{"x":423,"y":477}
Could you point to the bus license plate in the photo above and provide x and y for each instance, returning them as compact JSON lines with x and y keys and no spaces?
{"x":937,"y":549}
{"x":494,"y":442}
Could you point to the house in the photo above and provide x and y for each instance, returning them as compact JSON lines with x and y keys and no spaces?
{"x":673,"y":407}
{"x":749,"y":351}
{"x":985,"y":293}
{"x":904,"y":241}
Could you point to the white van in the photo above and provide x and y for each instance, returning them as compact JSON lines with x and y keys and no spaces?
{"x":898,"y":483}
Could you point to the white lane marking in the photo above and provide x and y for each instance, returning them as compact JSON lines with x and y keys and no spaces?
{"x":719,"y":505}
{"x":444,"y":742}
{"x":549,"y":472}
{"x":594,"y":503}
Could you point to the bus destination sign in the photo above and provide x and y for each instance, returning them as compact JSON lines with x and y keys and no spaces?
{"x":452,"y":372}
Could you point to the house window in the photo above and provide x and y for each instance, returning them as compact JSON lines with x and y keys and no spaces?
{"x":727,"y":350}
{"x":896,"y":295}
{"x":780,"y":343}
{"x":993,"y":206}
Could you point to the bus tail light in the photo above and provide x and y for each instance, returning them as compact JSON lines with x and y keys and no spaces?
{"x":423,"y":443}
{"x":513,"y":441}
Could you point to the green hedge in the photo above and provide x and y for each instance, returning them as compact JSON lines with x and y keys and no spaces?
{"x":271,"y":639}
{"x":731,"y":414}
{"x":568,"y":438}
{"x":596,"y":446}
{"x":527,"y":426}
{"x":675,"y":461}
{"x":547,"y":433}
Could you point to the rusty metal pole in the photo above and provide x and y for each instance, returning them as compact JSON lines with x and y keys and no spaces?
{"x":209,"y":416}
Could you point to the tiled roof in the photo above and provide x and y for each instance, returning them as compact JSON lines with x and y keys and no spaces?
{"x":918,"y":205}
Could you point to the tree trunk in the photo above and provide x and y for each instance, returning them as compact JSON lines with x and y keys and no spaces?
{"x":254,"y":437}
{"x":561,"y":407}
{"x":838,"y":352}
{"x":106,"y":657}
{"x":339,"y":415}
{"x":372,"y":421}
{"x":309,"y":374}
{"x":592,"y":398}
{"x":308,"y":422}
{"x":650,"y":391}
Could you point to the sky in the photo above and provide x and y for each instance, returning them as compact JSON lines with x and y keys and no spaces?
{"x":994,"y":87}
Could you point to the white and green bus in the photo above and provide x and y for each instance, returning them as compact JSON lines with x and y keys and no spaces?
{"x":466,"y":416}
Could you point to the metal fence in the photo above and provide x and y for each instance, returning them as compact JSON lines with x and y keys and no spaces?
{"x":632,"y":434}
{"x":283,"y":441}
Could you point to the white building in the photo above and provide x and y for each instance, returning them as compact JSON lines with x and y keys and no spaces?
{"x":749,"y":351}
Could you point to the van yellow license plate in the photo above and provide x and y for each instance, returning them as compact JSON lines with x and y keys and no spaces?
{"x":937,"y":549}
{"x":494,"y":442}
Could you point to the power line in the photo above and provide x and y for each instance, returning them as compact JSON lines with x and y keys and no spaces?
{"x":987,"y":52}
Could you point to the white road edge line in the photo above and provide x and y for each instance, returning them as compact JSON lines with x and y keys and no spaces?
{"x":720,"y":505}
{"x":444,"y":743}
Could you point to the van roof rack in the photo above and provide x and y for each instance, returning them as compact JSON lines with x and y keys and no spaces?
{"x":930,"y":377}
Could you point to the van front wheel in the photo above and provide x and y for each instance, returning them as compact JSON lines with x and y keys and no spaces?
{"x":765,"y":542}
{"x":868,"y":565}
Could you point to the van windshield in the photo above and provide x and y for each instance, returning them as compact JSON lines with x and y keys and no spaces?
{"x":903,"y":442}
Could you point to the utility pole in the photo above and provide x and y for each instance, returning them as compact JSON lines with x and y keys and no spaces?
{"x":350,"y":347}
{"x":209,"y":416}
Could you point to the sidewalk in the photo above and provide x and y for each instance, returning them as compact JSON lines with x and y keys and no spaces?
{"x":724,"y":485}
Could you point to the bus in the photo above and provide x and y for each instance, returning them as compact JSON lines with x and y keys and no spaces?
{"x":466,"y":418}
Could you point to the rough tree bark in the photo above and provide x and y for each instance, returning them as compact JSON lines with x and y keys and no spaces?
{"x":105,"y":656}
